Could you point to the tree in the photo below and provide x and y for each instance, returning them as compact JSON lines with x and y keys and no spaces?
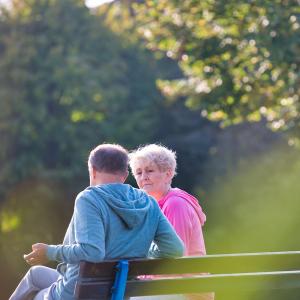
{"x":66,"y":83}
{"x":240,"y":60}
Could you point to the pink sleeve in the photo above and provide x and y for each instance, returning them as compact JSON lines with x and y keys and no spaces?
{"x":178,"y":213}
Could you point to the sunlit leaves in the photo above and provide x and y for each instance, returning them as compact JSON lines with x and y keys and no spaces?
{"x":9,"y":222}
{"x":236,"y":57}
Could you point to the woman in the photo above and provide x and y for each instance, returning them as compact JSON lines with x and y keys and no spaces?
{"x":154,"y":167}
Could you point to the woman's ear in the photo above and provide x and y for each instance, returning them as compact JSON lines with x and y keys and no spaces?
{"x":169,"y":175}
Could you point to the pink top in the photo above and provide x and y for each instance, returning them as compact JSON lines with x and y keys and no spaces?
{"x":186,"y":215}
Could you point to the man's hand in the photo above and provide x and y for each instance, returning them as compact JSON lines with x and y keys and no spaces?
{"x":38,"y":255}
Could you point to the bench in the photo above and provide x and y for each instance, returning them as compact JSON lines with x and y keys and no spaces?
{"x":231,"y":276}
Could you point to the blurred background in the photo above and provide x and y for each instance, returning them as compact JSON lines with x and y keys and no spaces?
{"x":217,"y":81}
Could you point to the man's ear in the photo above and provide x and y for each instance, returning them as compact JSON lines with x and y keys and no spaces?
{"x":124,"y":177}
{"x":94,"y":173}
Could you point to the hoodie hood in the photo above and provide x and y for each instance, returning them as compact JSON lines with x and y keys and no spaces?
{"x":187,"y":197}
{"x":129,"y":203}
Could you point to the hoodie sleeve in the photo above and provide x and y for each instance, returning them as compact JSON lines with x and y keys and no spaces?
{"x":88,"y":230}
{"x":167,"y":242}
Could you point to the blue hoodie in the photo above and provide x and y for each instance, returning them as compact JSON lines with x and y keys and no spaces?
{"x":111,"y":221}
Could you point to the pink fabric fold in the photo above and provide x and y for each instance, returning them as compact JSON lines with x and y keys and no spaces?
{"x":186,"y":215}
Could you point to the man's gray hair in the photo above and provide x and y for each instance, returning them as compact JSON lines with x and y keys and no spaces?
{"x":109,"y":158}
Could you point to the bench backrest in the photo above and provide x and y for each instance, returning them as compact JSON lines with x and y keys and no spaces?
{"x":272,"y":270}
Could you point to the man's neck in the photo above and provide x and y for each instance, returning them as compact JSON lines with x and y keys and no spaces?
{"x":106,"y":178}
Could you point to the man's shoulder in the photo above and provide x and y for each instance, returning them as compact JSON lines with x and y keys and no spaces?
{"x":86,"y":194}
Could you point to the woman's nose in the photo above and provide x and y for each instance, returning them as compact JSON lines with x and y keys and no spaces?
{"x":144,"y":176}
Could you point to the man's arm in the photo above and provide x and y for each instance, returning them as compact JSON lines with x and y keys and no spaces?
{"x":89,"y":242}
{"x":167,"y":241}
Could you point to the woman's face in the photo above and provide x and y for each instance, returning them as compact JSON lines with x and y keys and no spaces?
{"x":151,"y":179}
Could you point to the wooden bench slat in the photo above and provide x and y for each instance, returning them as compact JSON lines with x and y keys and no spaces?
{"x":216,"y":264}
{"x":208,"y":283}
{"x":217,"y":283}
{"x":230,"y":273}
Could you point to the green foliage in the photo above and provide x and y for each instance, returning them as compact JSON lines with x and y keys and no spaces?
{"x":240,"y":60}
{"x":70,"y":79}
{"x":66,"y":84}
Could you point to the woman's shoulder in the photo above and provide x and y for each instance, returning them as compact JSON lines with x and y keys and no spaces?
{"x":176,"y":193}
{"x":174,"y":197}
{"x":180,"y":198}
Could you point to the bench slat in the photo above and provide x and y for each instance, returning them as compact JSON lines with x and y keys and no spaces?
{"x":230,"y":273}
{"x":216,"y":264}
{"x":208,"y":283}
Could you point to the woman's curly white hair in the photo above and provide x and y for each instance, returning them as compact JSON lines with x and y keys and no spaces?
{"x":164,"y":158}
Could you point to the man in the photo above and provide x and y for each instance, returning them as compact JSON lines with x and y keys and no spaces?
{"x":110,"y":220}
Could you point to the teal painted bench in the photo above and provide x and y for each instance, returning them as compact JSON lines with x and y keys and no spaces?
{"x":231,"y":276}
